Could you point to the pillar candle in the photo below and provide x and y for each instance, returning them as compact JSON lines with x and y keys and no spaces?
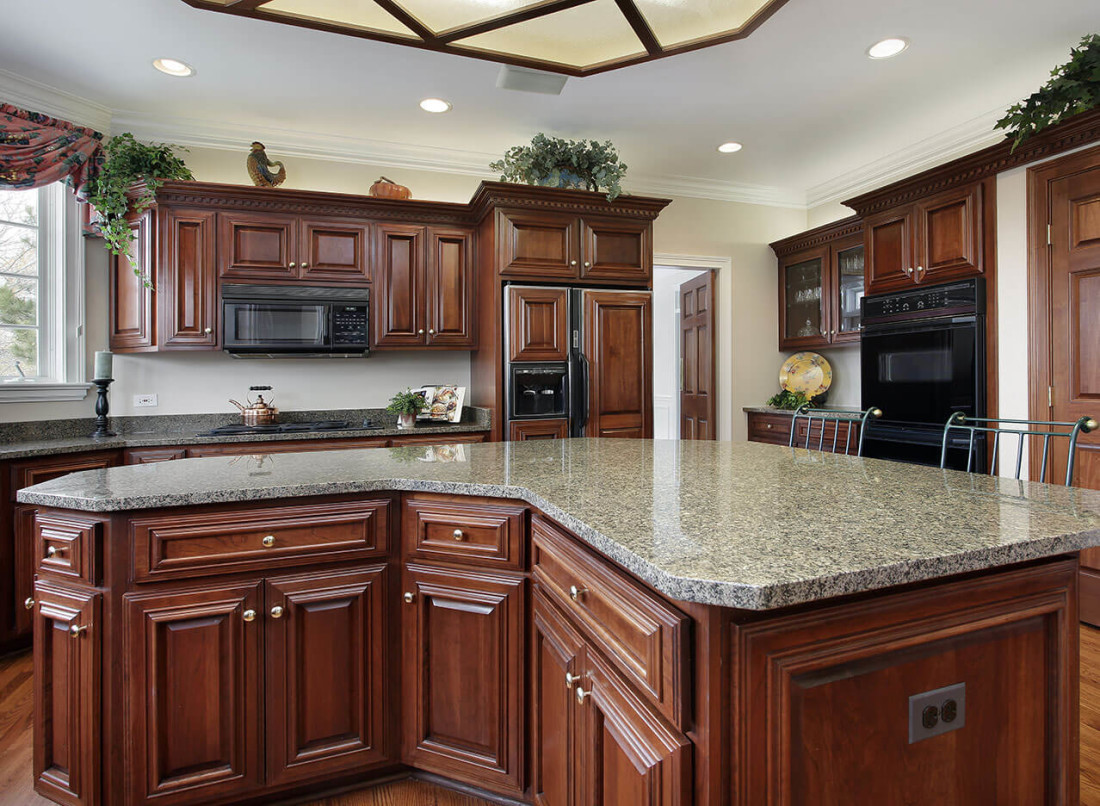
{"x":103,"y":361}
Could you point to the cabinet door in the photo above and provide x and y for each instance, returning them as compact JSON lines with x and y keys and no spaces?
{"x":629,"y":755}
{"x":538,"y":324}
{"x":463,"y":676}
{"x":67,"y":644}
{"x":257,"y":246}
{"x":618,"y":345}
{"x":327,"y":698}
{"x":538,"y":245}
{"x":616,"y":249}
{"x":188,"y":293}
{"x":846,"y":289}
{"x":334,"y":251}
{"x":131,"y":324}
{"x":803,"y":298}
{"x":398,"y":299}
{"x":889,"y":241}
{"x":950,"y":231}
{"x":451,"y":288}
{"x":194,"y":694}
{"x":24,"y":562}
{"x":521,"y":430}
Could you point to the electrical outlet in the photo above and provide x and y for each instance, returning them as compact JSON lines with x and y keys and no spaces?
{"x":938,"y":711}
{"x":145,"y":401}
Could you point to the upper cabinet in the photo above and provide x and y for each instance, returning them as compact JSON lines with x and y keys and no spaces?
{"x":266,"y":247}
{"x":821,"y":281}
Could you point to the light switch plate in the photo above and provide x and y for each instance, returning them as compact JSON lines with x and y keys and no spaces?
{"x":936,"y":712}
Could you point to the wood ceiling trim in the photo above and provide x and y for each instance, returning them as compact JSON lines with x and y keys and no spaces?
{"x":640,"y":26}
{"x":509,"y":18}
{"x":408,"y":20}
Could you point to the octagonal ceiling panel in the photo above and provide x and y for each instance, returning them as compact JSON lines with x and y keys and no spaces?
{"x":676,"y":22}
{"x":444,"y":15}
{"x":362,"y":15}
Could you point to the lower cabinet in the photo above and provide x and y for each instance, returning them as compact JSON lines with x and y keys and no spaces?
{"x":521,"y":430}
{"x":463,"y":675}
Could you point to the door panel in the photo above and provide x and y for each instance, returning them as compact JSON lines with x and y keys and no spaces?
{"x":538,"y":245}
{"x":398,"y":300}
{"x":257,"y":246}
{"x":23,"y":571}
{"x":618,"y":344}
{"x":188,"y":292}
{"x":327,"y":698}
{"x":67,"y":694}
{"x":697,"y":386}
{"x":950,"y":226}
{"x":334,"y":251}
{"x":195,"y":692}
{"x":538,"y":324}
{"x":616,"y":249}
{"x":889,"y":240}
{"x":132,"y":328}
{"x":463,"y":676}
{"x":451,"y":280}
{"x":520,"y":430}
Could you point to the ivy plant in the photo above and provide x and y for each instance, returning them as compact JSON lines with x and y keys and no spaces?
{"x":128,"y":161}
{"x":555,"y":162}
{"x":1074,"y":87}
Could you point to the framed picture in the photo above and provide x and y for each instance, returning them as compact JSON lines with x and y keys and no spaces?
{"x":444,"y":403}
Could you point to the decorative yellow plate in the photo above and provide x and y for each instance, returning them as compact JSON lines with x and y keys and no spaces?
{"x":808,"y":373}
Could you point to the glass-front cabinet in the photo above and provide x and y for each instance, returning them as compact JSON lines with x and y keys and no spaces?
{"x":820,"y":286}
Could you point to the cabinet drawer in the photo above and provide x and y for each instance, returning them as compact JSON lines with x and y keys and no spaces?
{"x":24,"y":474}
{"x":171,"y":546}
{"x":771,"y":428}
{"x":66,"y":547}
{"x":644,"y":637}
{"x":481,"y":531}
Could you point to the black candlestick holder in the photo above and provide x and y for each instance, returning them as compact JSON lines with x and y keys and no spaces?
{"x":102,"y":407}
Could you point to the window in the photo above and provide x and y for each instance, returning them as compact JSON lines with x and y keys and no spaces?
{"x":41,"y":296}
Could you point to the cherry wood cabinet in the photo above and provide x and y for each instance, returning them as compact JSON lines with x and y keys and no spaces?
{"x":519,"y":430}
{"x":131,"y":322}
{"x":334,"y":250}
{"x":257,"y":246}
{"x":451,"y":288}
{"x":189,"y":311}
{"x":538,"y":324}
{"x":148,"y":456}
{"x":618,"y":344}
{"x":774,"y":428}
{"x":616,"y":249}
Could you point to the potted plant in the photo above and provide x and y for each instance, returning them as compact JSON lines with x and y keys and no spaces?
{"x":128,"y":161}
{"x":554,"y":162}
{"x":406,"y":405}
{"x":1074,"y":88}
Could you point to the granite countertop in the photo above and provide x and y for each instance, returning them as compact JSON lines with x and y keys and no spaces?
{"x":742,"y":524}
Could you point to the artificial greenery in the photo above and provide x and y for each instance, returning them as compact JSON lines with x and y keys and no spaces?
{"x":554,"y":162}
{"x":407,"y":402}
{"x":127,"y":161}
{"x":793,"y":400}
{"x":1074,"y":87}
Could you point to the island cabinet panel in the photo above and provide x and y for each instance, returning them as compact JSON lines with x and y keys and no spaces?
{"x":189,"y":309}
{"x":257,"y":246}
{"x":463,"y":676}
{"x":538,"y":325}
{"x":618,"y":344}
{"x":334,"y":250}
{"x":326,"y":664}
{"x":478,"y":531}
{"x":616,"y":249}
{"x":812,"y":690}
{"x":67,"y":641}
{"x":538,"y":245}
{"x":194,"y":694}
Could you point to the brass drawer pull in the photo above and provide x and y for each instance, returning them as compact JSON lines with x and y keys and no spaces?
{"x":581,"y":694}
{"x":29,"y":603}
{"x":571,"y":679}
{"x":268,"y":541}
{"x":576,"y":593}
{"x":53,"y":551}
{"x":458,"y":535}
{"x":75,"y":630}
{"x":276,"y":612}
{"x":409,"y":597}
{"x":249,"y":615}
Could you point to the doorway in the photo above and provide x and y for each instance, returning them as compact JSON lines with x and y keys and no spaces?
{"x":683,"y":352}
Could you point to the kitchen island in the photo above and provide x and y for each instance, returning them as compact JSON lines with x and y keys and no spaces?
{"x":558,"y":622}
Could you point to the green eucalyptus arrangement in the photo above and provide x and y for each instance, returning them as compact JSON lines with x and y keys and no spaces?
{"x":407,"y":402}
{"x":554,"y":162}
{"x":128,"y":161}
{"x":1074,"y":87}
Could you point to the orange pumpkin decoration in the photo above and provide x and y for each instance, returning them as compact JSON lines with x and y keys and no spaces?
{"x":388,"y":189}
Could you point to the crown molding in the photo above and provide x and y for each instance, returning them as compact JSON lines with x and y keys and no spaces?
{"x":931,"y":152}
{"x":35,"y":96}
{"x":716,"y":190}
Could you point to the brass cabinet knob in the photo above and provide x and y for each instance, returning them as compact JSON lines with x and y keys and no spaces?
{"x":587,"y":264}
{"x":769,"y":425}
{"x":458,"y":534}
{"x":276,"y":612}
{"x":572,"y":263}
{"x":409,"y":597}
{"x":833,"y":333}
{"x":51,"y":551}
{"x":571,"y":678}
{"x":576,"y":593}
{"x":208,"y":330}
{"x":581,"y":694}
{"x":305,"y":265}
{"x":249,"y":615}
{"x":29,"y":603}
{"x":420,"y":332}
{"x":75,"y":630}
{"x":920,"y":271}
{"x":431,"y":331}
{"x":293,"y":265}
{"x":268,"y":541}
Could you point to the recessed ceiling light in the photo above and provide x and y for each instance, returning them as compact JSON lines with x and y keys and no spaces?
{"x":730,"y":148}
{"x":435,"y":105}
{"x":887,"y":48}
{"x":174,"y":67}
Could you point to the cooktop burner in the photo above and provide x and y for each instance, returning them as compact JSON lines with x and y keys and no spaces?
{"x":290,"y":428}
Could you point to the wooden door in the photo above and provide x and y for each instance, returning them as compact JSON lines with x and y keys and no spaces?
{"x":889,"y":239}
{"x":698,"y":392}
{"x":257,"y":246}
{"x":949,"y":227}
{"x":538,"y":324}
{"x":398,"y":298}
{"x":194,"y":694}
{"x":847,"y":270}
{"x":188,"y":290}
{"x":616,"y":249}
{"x":67,"y":697}
{"x":618,"y":345}
{"x":463,"y":668}
{"x":556,"y":669}
{"x":538,"y":245}
{"x":629,"y":755}
{"x":131,"y":322}
{"x":327,"y":696}
{"x":520,"y":430}
{"x":450,"y":293}
{"x":333,"y":250}
{"x":804,"y":299}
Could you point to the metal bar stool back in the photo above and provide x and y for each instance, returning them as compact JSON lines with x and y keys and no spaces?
{"x":837,"y":417}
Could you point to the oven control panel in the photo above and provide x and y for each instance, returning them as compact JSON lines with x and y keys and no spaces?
{"x":951,"y":299}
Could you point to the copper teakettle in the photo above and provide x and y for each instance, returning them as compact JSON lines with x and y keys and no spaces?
{"x":260,"y":412}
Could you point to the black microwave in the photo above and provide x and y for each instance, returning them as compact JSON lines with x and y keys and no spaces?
{"x":295,"y":321}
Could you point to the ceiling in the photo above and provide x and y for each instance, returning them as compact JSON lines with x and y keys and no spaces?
{"x":818,"y":119}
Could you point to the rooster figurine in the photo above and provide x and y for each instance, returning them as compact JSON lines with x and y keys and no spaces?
{"x":259,"y":168}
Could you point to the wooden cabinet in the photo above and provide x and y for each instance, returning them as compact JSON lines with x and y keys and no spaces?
{"x":774,"y":428}
{"x":146,"y":456}
{"x":520,"y":430}
{"x":616,"y":249}
{"x":188,"y":313}
{"x":424,"y":287}
{"x":131,"y":322}
{"x":463,"y":672}
{"x":618,"y":345}
{"x":821,"y":282}
{"x":255,"y":247}
{"x":538,"y":324}
{"x":334,"y":250}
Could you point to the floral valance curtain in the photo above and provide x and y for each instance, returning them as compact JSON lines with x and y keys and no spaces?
{"x":37,"y":150}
